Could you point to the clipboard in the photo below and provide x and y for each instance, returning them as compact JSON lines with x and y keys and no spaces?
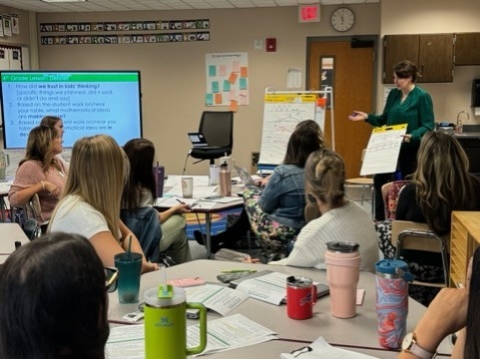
{"x":383,"y":150}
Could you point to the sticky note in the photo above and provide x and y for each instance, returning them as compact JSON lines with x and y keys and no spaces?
{"x":215,"y":87}
{"x":212,"y":70}
{"x":233,"y":106}
{"x":209,"y":99}
{"x":232,"y":78}
{"x":243,"y":71}
{"x":242,"y":83}
{"x":226,"y":86}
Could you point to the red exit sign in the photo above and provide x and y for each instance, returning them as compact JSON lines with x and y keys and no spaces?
{"x":309,"y":13}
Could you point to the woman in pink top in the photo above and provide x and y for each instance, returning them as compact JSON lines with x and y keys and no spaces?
{"x":40,"y":172}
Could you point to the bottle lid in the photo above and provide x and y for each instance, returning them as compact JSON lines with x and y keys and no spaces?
{"x":173,"y":296}
{"x":394,"y":268}
{"x":343,"y":247}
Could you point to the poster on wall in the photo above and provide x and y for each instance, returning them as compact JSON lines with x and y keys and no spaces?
{"x":7,"y":25}
{"x":1,"y":26}
{"x":227,"y":79}
{"x":15,"y":23}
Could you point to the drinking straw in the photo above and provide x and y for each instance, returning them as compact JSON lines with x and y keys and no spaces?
{"x":129,"y":249}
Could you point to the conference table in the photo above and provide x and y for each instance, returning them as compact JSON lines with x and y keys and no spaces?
{"x":9,"y":234}
{"x":205,"y":201}
{"x":358,"y":332}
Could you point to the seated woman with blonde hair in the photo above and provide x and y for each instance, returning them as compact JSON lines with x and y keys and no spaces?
{"x":90,"y":205}
{"x":341,"y":219}
{"x":40,"y":172}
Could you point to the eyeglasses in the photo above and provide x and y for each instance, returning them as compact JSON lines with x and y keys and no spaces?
{"x":111,"y":276}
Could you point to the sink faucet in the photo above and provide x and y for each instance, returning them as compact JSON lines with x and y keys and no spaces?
{"x":459,"y":126}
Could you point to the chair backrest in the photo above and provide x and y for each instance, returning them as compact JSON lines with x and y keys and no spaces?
{"x":217,"y":126}
{"x":407,"y":235}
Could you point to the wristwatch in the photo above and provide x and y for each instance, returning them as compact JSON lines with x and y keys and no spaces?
{"x":410,"y":345}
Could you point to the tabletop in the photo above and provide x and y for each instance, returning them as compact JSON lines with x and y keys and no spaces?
{"x":9,"y":234}
{"x":359,"y":331}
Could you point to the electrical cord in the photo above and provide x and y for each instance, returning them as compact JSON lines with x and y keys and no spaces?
{"x":185,"y":164}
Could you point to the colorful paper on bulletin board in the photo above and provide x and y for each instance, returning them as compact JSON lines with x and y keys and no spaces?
{"x":227,"y":73}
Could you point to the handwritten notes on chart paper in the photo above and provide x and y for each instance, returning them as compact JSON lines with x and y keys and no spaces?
{"x":281,"y":114}
{"x":383,"y":149}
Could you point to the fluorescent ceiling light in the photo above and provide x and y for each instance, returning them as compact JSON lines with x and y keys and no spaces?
{"x":64,"y":0}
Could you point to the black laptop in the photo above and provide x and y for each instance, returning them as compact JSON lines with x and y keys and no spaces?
{"x":197,"y":139}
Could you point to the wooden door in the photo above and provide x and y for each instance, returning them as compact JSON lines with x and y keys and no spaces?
{"x":397,"y":48}
{"x":435,"y":60}
{"x":353,"y":79}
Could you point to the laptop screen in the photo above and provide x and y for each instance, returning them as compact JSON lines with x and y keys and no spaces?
{"x":197,"y":139}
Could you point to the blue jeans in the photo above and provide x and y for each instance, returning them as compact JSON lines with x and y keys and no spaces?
{"x":144,"y":223}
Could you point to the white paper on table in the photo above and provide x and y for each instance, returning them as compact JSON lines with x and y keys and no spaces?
{"x":321,"y":349}
{"x":173,"y":201}
{"x":383,"y":150}
{"x":5,"y":186}
{"x":270,"y":287}
{"x":229,"y":199}
{"x":126,"y":342}
{"x":230,"y":332}
{"x":219,"y":298}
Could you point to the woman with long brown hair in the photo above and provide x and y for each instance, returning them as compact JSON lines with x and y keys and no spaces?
{"x":40,"y":172}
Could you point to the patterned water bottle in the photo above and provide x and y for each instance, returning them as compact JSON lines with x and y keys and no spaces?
{"x":392,"y":301}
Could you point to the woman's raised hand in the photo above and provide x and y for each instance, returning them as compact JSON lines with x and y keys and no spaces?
{"x":358,"y":116}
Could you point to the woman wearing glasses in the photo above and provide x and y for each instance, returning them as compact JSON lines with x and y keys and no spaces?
{"x":52,"y":300}
{"x":90,"y":205}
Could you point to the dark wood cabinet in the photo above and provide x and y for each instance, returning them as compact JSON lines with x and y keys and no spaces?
{"x":467,"y":49}
{"x":432,"y":53}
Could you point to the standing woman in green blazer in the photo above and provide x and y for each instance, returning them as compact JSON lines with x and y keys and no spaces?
{"x":409,"y":104}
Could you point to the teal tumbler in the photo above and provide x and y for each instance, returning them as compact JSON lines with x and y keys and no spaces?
{"x":129,"y":270}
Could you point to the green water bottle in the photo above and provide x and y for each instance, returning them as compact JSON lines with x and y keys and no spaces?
{"x":166,"y":324}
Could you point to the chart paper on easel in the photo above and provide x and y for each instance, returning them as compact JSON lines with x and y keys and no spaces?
{"x":383,"y":150}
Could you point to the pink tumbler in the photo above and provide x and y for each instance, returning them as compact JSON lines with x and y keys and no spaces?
{"x":343,"y":271}
{"x":392,"y":301}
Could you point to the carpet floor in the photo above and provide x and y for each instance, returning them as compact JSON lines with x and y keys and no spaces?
{"x":219,"y":222}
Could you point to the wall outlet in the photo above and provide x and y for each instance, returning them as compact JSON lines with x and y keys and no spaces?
{"x":258,"y":44}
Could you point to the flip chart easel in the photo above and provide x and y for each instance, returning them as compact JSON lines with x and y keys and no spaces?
{"x":283,"y":110}
{"x":383,"y":150}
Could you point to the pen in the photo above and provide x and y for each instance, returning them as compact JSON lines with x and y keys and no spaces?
{"x":237,"y":270}
{"x":180,"y":201}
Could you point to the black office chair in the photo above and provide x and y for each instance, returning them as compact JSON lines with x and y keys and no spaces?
{"x":217,"y":127}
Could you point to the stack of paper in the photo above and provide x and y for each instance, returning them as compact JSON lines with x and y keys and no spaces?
{"x":127,"y":342}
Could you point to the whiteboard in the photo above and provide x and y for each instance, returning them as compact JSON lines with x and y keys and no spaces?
{"x":280,"y":116}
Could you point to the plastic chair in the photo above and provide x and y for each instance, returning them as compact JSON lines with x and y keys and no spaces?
{"x":217,"y":127}
{"x":412,"y":236}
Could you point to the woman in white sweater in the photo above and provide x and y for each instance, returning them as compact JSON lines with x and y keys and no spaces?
{"x":341,"y":220}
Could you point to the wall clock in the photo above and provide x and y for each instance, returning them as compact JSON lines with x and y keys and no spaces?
{"x":342,"y":19}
